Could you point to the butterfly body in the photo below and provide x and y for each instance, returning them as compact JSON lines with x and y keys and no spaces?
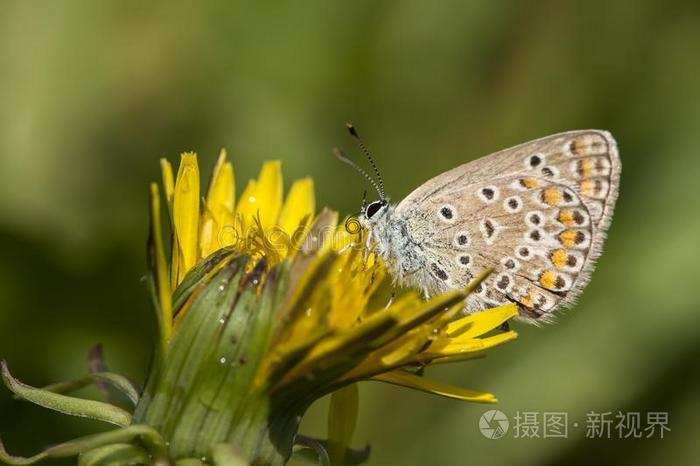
{"x":536,"y":214}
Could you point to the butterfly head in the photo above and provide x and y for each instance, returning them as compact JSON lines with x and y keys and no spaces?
{"x":374,"y":211}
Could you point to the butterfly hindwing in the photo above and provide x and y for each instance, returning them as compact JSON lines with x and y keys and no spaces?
{"x":538,"y":220}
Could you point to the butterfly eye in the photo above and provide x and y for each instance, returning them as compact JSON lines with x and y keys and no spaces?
{"x":374,"y":207}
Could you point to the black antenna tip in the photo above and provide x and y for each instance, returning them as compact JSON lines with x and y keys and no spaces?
{"x":352,"y":130}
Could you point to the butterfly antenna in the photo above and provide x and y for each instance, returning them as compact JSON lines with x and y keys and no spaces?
{"x":344,"y":158}
{"x":356,"y":137}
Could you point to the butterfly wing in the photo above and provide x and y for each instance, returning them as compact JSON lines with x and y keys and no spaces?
{"x":536,"y":214}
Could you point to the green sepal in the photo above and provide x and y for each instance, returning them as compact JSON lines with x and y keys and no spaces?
{"x":118,"y":454}
{"x":342,"y":419}
{"x":206,"y":392}
{"x":315,"y":450}
{"x":198,"y":275}
{"x":226,"y":454}
{"x":312,"y":449}
{"x":151,"y":439}
{"x":117,"y":381}
{"x":66,"y":404}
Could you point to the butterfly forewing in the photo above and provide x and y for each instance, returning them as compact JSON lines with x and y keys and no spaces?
{"x":535,"y":213}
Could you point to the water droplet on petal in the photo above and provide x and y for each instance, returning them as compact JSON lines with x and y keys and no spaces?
{"x":251,"y":199}
{"x":308,"y":312}
{"x":222,"y":360}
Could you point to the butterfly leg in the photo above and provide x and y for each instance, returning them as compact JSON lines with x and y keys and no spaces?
{"x":346,"y":247}
{"x":368,"y":244}
{"x":393,"y":296}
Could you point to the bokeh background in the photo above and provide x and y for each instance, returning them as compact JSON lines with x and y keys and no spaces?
{"x":93,"y":93}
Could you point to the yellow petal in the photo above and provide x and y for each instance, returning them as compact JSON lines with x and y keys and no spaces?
{"x":453,"y":347}
{"x":218,"y":217}
{"x":221,"y":193}
{"x":262,"y":198}
{"x":247,"y":208}
{"x":404,"y":379}
{"x":479,"y":323}
{"x":186,"y":213}
{"x":300,"y":203}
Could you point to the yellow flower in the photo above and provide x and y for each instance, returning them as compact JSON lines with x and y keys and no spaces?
{"x":333,"y":324}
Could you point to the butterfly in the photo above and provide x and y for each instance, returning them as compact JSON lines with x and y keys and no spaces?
{"x":535,"y":214}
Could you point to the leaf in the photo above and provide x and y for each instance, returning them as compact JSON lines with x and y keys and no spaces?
{"x":66,"y":404}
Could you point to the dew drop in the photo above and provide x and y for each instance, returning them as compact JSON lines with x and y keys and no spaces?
{"x":256,"y":281}
{"x":222,"y":287}
{"x":308,"y":312}
{"x":222,"y":360}
{"x":222,"y":321}
{"x":251,"y":199}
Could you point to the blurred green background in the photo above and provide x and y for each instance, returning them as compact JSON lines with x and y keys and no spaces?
{"x":93,"y":93}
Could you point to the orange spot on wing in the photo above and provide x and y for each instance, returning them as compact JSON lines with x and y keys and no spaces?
{"x":530,"y":183}
{"x":551,"y":196}
{"x":528,"y":300}
{"x":548,"y":279}
{"x":588,"y":187}
{"x":566,"y":216}
{"x":559,"y":258}
{"x":579,"y":146}
{"x":568,"y":238}
{"x":587,"y":167}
